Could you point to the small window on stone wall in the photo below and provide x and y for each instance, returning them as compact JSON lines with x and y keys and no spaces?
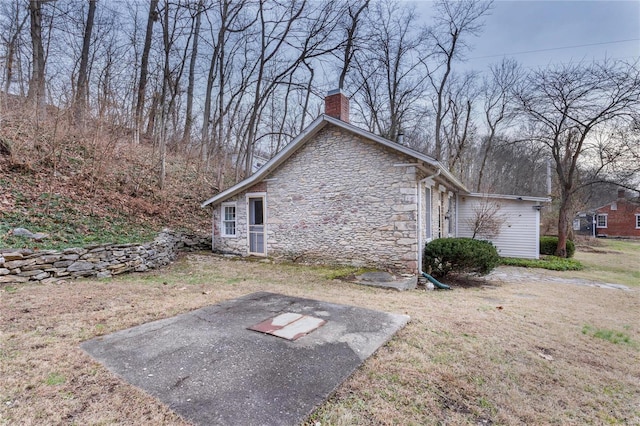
{"x":638,"y":221}
{"x":229,"y":220}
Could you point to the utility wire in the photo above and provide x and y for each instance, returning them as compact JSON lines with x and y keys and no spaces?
{"x":555,"y":48}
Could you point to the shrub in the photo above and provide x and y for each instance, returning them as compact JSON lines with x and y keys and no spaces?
{"x":445,"y":255}
{"x":548,"y":246}
{"x":546,"y":262}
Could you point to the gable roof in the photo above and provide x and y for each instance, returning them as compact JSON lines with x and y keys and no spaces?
{"x":308,"y":133}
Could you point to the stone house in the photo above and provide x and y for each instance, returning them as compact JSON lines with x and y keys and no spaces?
{"x":620,"y":218}
{"x":341,"y":195}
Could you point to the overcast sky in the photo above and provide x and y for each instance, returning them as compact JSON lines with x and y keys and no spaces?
{"x":601,"y":29}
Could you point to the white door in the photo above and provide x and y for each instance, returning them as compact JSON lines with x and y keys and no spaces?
{"x":256,"y":226}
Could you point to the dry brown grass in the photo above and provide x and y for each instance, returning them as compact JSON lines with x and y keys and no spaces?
{"x":510,"y":353}
{"x":48,"y":165}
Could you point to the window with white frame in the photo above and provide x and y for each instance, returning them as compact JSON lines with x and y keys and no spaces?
{"x":601,"y":221}
{"x":229,"y":219}
{"x":638,"y":221}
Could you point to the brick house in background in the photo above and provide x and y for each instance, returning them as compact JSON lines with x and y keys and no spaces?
{"x":339,"y":194}
{"x":620,"y":218}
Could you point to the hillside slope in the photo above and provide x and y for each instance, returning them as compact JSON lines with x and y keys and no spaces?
{"x":92,"y":186}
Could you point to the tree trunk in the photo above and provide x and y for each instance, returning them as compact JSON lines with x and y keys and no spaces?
{"x":188,"y":120}
{"x":36,"y":92}
{"x":82,"y":92}
{"x":144,"y":69}
{"x":11,"y":50}
{"x":563,"y":222}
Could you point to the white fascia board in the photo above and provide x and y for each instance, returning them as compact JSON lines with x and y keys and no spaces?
{"x":510,"y":197}
{"x":289,"y":149}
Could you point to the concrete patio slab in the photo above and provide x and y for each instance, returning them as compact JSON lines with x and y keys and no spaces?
{"x":386,"y":280}
{"x":212,"y":370}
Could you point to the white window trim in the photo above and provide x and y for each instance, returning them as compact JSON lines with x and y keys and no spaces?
{"x":223,"y":228}
{"x":637,"y":220}
{"x":606,"y":220}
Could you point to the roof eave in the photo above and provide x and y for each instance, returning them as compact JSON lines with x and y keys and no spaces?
{"x":311,"y":130}
{"x":510,"y":197}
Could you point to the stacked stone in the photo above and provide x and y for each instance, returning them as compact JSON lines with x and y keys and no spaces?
{"x":102,"y":261}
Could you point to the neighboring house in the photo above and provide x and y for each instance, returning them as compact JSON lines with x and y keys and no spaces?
{"x":339,"y":194}
{"x":257,"y":161}
{"x":620,"y":218}
{"x":584,"y":224}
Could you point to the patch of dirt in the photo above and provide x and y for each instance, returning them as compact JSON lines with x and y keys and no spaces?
{"x":590,"y":249}
{"x":466,"y":281}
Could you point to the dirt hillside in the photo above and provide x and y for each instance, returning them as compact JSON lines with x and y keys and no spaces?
{"x":92,"y":185}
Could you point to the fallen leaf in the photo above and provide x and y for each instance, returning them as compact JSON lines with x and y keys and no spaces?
{"x":545,"y":356}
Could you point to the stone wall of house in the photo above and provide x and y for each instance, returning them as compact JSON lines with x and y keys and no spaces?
{"x":345,"y":199}
{"x":100,"y":261}
{"x":338,"y":199}
{"x":238,"y":243}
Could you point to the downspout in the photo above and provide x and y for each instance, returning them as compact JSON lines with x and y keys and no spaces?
{"x":420,"y":242}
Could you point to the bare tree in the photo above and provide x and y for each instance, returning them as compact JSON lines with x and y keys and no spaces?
{"x":566,"y":105}
{"x":387,"y":71}
{"x":144,"y":69}
{"x":486,"y":219}
{"x":10,"y":37}
{"x":458,"y":127}
{"x":82,"y":89}
{"x":499,"y":108}
{"x":188,"y":119}
{"x":287,"y":35}
{"x":454,"y":21}
{"x":36,"y":94}
{"x":352,"y":42}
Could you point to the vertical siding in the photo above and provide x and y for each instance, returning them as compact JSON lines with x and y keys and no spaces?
{"x":519,"y":234}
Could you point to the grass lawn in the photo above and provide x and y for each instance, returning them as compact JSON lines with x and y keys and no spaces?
{"x":608,"y":260}
{"x":510,"y":353}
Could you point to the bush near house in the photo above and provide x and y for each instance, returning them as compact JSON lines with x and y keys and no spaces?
{"x":548,"y":246}
{"x":467,"y":255}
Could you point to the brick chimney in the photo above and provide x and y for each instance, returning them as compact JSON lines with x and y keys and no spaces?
{"x":621,"y":193}
{"x":336,"y":105}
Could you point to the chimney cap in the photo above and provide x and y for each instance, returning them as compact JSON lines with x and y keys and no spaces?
{"x":335,"y":92}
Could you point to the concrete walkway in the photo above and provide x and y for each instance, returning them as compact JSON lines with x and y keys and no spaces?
{"x":510,"y":274}
{"x":212,"y":370}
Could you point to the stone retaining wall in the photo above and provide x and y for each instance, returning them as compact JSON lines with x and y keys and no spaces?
{"x":102,"y":261}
